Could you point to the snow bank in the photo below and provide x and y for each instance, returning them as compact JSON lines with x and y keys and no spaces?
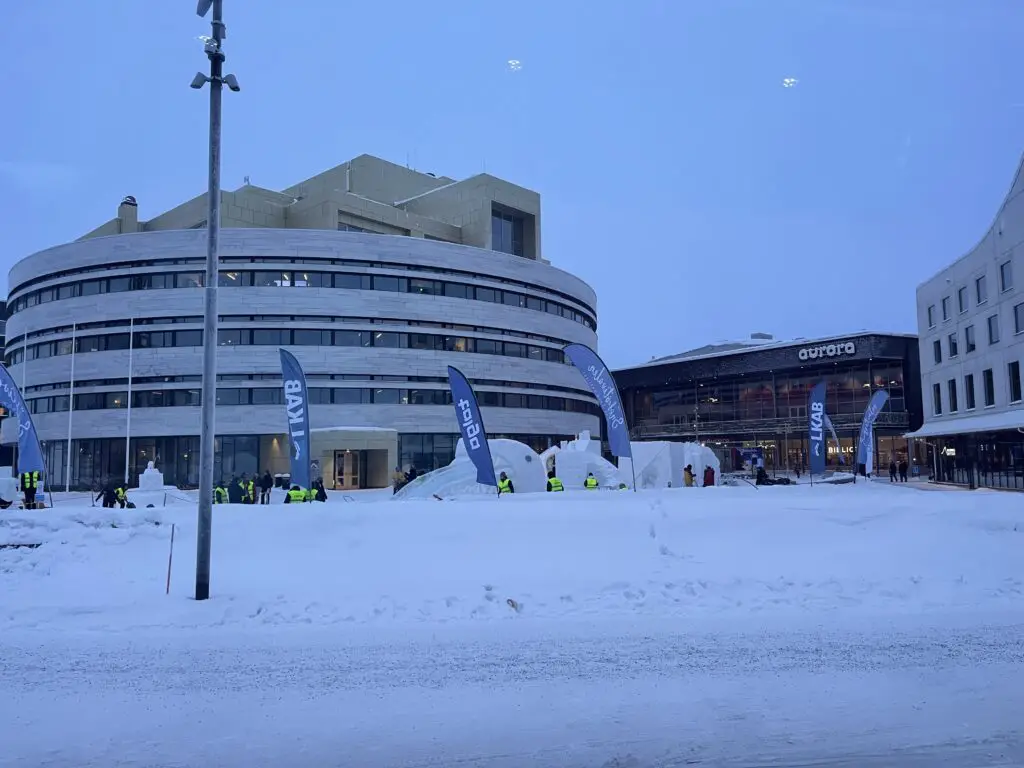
{"x":678,"y":554}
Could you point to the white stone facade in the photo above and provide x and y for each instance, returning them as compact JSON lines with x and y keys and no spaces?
{"x":152,"y":255}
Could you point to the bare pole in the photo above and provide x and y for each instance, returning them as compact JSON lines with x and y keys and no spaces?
{"x":217,"y":81}
{"x":71,"y":411}
{"x":128,"y":419}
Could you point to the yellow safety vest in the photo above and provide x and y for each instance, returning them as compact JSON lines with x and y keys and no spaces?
{"x":296,"y":496}
{"x":29,"y":480}
{"x":591,"y":484}
{"x":220,"y":495}
{"x":556,"y":484}
{"x":505,"y":486}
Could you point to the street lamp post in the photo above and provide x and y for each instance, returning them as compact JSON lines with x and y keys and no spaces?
{"x":216,"y":79}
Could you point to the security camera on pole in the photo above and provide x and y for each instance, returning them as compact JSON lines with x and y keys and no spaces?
{"x":212,"y":47}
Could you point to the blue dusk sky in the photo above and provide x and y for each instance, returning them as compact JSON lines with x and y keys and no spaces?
{"x":700,"y":197}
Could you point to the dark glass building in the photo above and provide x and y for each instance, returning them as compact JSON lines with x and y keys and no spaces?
{"x":753,"y":394}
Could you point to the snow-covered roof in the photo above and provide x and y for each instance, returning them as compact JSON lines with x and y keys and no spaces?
{"x":986,"y":422}
{"x":728,"y":348}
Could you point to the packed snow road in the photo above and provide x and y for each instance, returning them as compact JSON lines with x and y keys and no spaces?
{"x":519,"y":697}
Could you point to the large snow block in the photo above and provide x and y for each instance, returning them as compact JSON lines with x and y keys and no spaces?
{"x":660,"y":464}
{"x":572,"y":468}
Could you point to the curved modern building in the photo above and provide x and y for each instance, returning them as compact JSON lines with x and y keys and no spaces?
{"x":970,"y":319}
{"x":376,"y":277}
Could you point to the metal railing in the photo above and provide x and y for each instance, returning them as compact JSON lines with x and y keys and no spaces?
{"x":795,"y":426}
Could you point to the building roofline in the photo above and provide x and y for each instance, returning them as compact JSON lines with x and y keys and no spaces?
{"x":755,"y":347}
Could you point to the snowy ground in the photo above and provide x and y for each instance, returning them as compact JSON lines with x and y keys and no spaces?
{"x":851,"y":625}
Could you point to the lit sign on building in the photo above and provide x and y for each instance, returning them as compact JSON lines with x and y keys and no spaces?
{"x":828,"y":350}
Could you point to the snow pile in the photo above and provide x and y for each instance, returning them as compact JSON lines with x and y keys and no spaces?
{"x":670,"y":554}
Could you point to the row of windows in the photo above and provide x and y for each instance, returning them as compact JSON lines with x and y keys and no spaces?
{"x":100,"y":460}
{"x":290,"y":319}
{"x":284,"y":337}
{"x":970,"y":341}
{"x":301,"y":279}
{"x":980,"y":294}
{"x":310,"y":377}
{"x":848,"y":390}
{"x":172,"y":398}
{"x":988,"y":384}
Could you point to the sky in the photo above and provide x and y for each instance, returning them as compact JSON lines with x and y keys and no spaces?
{"x":700,"y":198}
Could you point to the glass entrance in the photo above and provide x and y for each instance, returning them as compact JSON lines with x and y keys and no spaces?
{"x":348,"y":469}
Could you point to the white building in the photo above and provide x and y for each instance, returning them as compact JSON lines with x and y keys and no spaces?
{"x":971,"y":325}
{"x":375,"y":276}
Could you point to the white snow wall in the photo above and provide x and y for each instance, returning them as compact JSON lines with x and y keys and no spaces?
{"x":660,"y":464}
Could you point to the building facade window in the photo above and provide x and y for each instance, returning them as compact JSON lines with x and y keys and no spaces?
{"x":945,"y":308}
{"x":969,"y":401}
{"x":969,"y":342}
{"x":241,"y":278}
{"x":287,"y":337}
{"x":931,"y":316}
{"x":961,"y":299}
{"x":981,"y":290}
{"x":954,"y":404}
{"x":1018,"y":318}
{"x":507,"y":232}
{"x":937,"y":399}
{"x":1015,"y":390}
{"x":937,"y":351}
{"x":954,"y":347}
{"x":993,"y":329}
{"x":1006,"y":275}
{"x":988,"y":383}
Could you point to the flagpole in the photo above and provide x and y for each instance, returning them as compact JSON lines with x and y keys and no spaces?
{"x":71,"y":411}
{"x":24,"y":370}
{"x":128,"y":426}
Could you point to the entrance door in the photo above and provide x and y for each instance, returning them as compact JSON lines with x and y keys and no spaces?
{"x":346,"y":470}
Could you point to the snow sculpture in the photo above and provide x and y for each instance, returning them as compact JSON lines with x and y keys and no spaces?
{"x":8,"y":484}
{"x":527,"y":470}
{"x":575,"y":459}
{"x":661,"y":464}
{"x":152,"y":479}
{"x":521,"y":462}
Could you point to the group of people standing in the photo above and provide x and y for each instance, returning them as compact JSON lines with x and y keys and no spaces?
{"x":899,"y":470}
{"x":690,"y":477}
{"x":256,"y":490}
{"x":554,"y":485}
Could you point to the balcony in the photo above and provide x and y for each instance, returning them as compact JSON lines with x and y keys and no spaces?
{"x":652,"y":430}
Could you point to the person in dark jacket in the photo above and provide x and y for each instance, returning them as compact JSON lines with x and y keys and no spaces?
{"x":235,"y":491}
{"x":903,"y":470}
{"x":108,"y":496}
{"x":892,"y":470}
{"x":709,"y":476}
{"x":266,"y":483}
{"x":319,"y":492}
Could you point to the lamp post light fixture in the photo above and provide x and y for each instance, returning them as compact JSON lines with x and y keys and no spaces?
{"x":217,"y":80}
